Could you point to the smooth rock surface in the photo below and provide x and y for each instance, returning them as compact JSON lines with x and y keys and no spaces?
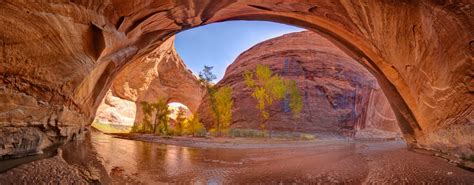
{"x":58,"y":59}
{"x":162,"y":75}
{"x":115,"y":110}
{"x":335,"y":89}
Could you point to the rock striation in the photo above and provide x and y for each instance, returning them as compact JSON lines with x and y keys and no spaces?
{"x":380,"y":121}
{"x":58,"y":59}
{"x":116,"y":111}
{"x":336,"y":90}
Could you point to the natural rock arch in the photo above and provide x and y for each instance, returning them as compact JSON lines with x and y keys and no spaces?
{"x":59,"y":59}
{"x":160,"y":76}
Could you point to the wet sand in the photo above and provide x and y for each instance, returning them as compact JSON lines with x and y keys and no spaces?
{"x":337,"y":162}
{"x":230,"y":143}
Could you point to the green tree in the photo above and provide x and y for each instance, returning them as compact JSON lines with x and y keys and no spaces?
{"x":296,"y":102}
{"x":161,"y":114}
{"x":220,"y":100}
{"x":155,"y":119}
{"x":206,"y":76}
{"x":146,"y":125}
{"x":194,"y":126}
{"x":269,"y":88}
{"x":180,"y":121}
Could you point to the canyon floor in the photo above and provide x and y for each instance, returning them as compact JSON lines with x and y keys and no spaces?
{"x":106,"y":159}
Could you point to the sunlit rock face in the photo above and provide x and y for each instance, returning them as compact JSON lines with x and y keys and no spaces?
{"x":162,"y":75}
{"x":335,"y":89}
{"x":380,"y":122}
{"x":116,"y":111}
{"x":58,"y":59}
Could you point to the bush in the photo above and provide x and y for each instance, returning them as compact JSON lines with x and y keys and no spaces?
{"x":194,"y":127}
{"x":307,"y":136}
{"x":200,"y":133}
{"x":107,"y":128}
{"x":252,"y":133}
{"x":247,"y":133}
{"x":172,"y":132}
{"x":141,"y":128}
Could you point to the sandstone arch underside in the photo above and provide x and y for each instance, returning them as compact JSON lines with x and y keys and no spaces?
{"x":59,"y":59}
{"x":160,"y":76}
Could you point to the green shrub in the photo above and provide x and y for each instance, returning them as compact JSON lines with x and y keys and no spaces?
{"x":200,"y":133}
{"x":107,"y":128}
{"x":247,"y":133}
{"x":142,"y":129}
{"x":307,"y":136}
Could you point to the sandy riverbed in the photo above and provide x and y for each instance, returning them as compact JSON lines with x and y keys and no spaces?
{"x":109,"y":160}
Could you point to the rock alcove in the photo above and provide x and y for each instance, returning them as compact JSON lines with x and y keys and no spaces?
{"x":59,"y":59}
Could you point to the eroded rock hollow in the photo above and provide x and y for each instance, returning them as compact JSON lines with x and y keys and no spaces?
{"x":337,"y":92}
{"x":160,"y":76}
{"x":58,"y":59}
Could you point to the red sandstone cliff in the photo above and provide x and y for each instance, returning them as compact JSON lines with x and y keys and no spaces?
{"x":336,"y":90}
{"x":59,"y":58}
{"x":160,"y":75}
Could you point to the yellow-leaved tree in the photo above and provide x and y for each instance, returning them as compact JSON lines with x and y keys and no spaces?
{"x":220,"y":101}
{"x":180,"y":121}
{"x":155,"y":119}
{"x":194,"y":126}
{"x":161,"y":121}
{"x":223,"y":104}
{"x":269,"y":88}
{"x":296,"y":102}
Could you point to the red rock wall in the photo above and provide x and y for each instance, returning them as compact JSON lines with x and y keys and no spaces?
{"x":336,"y":89}
{"x":59,"y":58}
{"x":379,"y":113}
{"x":162,"y":75}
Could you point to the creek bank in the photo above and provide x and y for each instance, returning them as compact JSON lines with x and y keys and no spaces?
{"x":112,"y":160}
{"x":237,"y":142}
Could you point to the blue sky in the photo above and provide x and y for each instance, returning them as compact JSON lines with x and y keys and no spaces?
{"x":219,"y":44}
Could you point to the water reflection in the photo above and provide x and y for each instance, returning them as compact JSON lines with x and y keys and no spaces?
{"x":135,"y":162}
{"x":151,"y":162}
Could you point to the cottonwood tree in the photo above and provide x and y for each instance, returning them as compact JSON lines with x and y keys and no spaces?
{"x":296,"y":102}
{"x":161,"y":122}
{"x":146,"y":126}
{"x":223,"y":104}
{"x":269,"y":88}
{"x":155,"y":119}
{"x":220,"y":100}
{"x":180,"y":120}
{"x":194,"y":126}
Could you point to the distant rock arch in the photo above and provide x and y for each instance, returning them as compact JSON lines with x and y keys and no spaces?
{"x":55,"y":72}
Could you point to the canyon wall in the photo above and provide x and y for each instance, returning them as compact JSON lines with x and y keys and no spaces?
{"x":380,"y":121}
{"x":116,"y":111}
{"x":58,"y":59}
{"x":162,"y":75}
{"x":335,"y":89}
{"x":379,"y":113}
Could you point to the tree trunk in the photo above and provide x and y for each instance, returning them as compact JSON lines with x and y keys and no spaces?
{"x":153,"y":123}
{"x":269,"y":128}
